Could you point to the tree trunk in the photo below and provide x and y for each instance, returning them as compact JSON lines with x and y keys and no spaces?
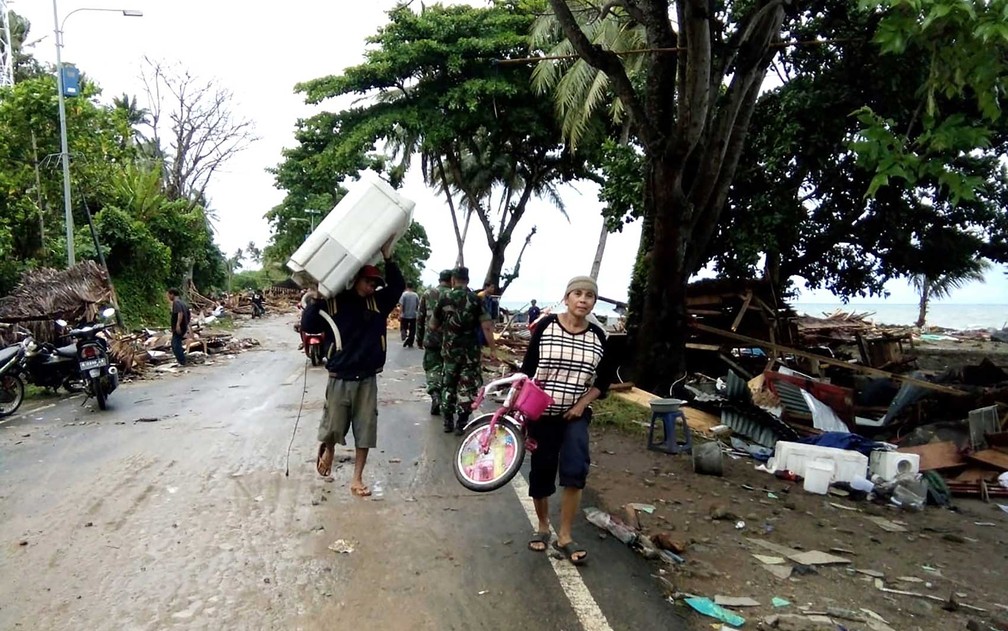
{"x":661,"y":337}
{"x":600,"y":250}
{"x":496,"y":262}
{"x":925,"y":295}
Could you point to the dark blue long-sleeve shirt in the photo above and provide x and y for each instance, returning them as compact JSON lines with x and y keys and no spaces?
{"x":362,"y":326}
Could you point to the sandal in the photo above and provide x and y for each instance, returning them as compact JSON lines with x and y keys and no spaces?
{"x":570,"y":549}
{"x":539,"y":538}
{"x":360,"y":491}
{"x":323,"y":464}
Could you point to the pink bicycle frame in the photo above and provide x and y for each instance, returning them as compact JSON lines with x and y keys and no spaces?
{"x":514,"y":383}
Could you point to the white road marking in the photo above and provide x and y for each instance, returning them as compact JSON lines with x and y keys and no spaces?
{"x":27,"y":413}
{"x":581,"y":600}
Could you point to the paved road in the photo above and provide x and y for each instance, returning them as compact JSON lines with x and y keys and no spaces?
{"x":190,"y":521}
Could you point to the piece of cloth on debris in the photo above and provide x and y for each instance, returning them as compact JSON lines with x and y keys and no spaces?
{"x":845,"y":440}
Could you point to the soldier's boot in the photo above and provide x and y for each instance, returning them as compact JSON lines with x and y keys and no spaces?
{"x":435,"y":405}
{"x":460,"y":424}
{"x":449,"y":422}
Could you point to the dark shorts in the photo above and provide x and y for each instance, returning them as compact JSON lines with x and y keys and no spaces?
{"x":562,"y":447}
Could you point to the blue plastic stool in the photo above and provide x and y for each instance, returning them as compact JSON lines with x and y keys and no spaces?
{"x":669,"y":412}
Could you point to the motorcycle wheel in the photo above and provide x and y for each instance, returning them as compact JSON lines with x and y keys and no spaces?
{"x":99,"y":393}
{"x":316,"y":354}
{"x":490,"y":471}
{"x":11,"y":394}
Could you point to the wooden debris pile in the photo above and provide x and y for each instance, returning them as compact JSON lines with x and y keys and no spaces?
{"x":135,"y":352}
{"x":76,"y":294}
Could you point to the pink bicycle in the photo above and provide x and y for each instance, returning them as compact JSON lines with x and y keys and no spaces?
{"x":493,"y":445}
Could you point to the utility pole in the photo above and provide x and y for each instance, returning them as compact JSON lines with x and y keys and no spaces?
{"x":6,"y":48}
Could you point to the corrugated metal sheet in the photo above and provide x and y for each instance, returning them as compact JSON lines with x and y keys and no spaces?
{"x":792,"y":399}
{"x":757,"y":425}
{"x":738,"y":388}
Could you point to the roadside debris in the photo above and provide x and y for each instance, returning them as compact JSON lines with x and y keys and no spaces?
{"x":343,"y":546}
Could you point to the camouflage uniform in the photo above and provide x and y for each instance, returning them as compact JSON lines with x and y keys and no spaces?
{"x":458,"y":315}
{"x":430,"y":339}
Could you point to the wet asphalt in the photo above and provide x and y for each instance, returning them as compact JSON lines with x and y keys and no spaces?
{"x":172,"y":509}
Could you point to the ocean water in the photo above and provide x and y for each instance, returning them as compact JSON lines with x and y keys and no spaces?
{"x":945,"y":315}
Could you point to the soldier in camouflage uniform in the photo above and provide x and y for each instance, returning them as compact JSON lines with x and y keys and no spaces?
{"x":458,"y":315}
{"x":430,"y":340}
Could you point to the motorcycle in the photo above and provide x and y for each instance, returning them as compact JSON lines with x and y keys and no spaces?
{"x":100,"y":377}
{"x":51,"y":366}
{"x":11,"y":384}
{"x":313,"y":343}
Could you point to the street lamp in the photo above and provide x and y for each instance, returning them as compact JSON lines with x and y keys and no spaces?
{"x":64,"y":151}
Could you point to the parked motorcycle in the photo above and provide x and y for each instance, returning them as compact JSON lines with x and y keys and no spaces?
{"x":100,"y":376}
{"x":51,"y":366}
{"x":11,"y":385}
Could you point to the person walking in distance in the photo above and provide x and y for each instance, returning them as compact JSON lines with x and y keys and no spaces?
{"x":567,"y":357}
{"x":533,"y":313}
{"x":430,"y":340}
{"x":180,"y":317}
{"x":409,"y":302}
{"x":458,"y":315}
{"x":353,"y":361}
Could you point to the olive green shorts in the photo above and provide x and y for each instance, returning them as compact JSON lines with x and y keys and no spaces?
{"x":350,"y":405}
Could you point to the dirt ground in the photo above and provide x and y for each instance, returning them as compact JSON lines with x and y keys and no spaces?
{"x":965,"y":549}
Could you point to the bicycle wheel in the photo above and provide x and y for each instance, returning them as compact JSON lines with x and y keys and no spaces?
{"x":482,"y":472}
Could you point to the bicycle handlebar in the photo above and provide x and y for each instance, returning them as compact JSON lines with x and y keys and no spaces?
{"x":496,"y":384}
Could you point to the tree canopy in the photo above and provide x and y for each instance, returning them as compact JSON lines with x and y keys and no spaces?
{"x":435,"y":87}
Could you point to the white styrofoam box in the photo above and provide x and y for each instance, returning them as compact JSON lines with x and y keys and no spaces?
{"x":351,"y":235}
{"x":795,"y":457}
{"x":889,"y":464}
{"x":818,"y":475}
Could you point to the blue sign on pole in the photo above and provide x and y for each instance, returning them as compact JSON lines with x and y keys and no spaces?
{"x":71,"y":81}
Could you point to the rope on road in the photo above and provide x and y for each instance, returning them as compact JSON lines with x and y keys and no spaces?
{"x":304,"y":389}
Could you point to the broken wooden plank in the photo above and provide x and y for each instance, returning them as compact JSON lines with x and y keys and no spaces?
{"x":827,"y":360}
{"x":992,"y":457}
{"x":936,"y":456}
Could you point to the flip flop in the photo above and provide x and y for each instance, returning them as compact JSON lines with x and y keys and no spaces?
{"x":571,"y":548}
{"x":360,"y":491}
{"x":539,"y":537}
{"x":323,"y":464}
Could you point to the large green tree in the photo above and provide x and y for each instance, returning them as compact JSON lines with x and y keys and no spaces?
{"x":811,"y":203}
{"x":689,"y":110}
{"x":431,"y":88}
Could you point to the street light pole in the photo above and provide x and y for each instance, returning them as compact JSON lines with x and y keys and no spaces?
{"x":64,"y":149}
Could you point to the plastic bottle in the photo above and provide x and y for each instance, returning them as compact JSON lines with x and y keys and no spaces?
{"x":618,"y":529}
{"x":860,"y":483}
{"x":377,"y":493}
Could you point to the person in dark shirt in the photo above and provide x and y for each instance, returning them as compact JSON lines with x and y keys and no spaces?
{"x":354,"y":359}
{"x":180,"y":316}
{"x":533,"y":313}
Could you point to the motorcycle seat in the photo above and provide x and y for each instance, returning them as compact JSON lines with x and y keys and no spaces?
{"x":70,"y":350}
{"x":8,"y":353}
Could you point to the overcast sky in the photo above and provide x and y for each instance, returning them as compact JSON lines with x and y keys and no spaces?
{"x":260,"y":54}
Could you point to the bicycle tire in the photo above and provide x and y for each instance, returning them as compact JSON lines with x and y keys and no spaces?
{"x":484,"y":473}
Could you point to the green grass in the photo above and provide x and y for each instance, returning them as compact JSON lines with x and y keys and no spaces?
{"x":620,"y":414}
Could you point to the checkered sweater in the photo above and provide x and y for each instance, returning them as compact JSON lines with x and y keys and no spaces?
{"x":567,"y":364}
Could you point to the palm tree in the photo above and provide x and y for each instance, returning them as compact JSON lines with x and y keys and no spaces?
{"x":942,"y":286}
{"x":580,"y":91}
{"x":133,"y":114}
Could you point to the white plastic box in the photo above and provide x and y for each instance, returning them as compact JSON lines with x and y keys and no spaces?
{"x":890,"y":464}
{"x":795,"y":457}
{"x":351,"y":235}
